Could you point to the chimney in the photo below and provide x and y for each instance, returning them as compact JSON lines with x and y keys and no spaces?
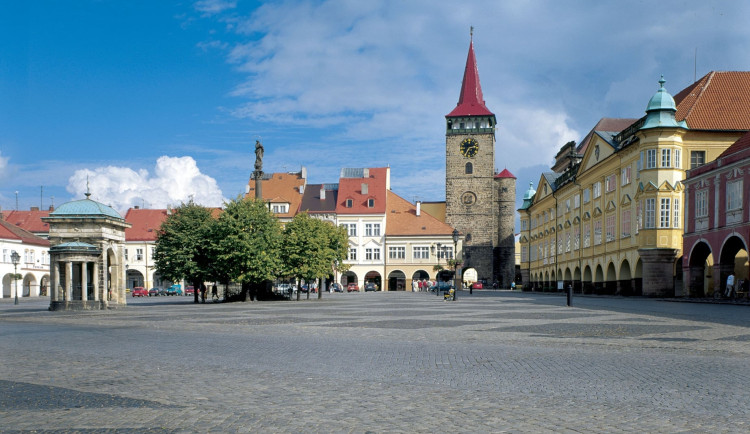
{"x":169,"y":209}
{"x":322,"y":193}
{"x":365,"y":173}
{"x":419,"y":207}
{"x":34,"y":208}
{"x":364,"y":188}
{"x":51,"y":208}
{"x":136,"y":207}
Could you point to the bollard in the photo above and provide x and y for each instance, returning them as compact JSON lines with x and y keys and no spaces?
{"x":570,"y":294}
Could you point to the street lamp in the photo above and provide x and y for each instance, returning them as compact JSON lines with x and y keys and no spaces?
{"x":455,"y":263}
{"x":15,"y":258}
{"x":437,"y":275}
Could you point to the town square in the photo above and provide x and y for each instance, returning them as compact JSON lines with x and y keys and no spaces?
{"x":378,"y":362}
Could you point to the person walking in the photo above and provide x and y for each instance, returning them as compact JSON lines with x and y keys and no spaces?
{"x":214,"y":293}
{"x":730,"y":286}
{"x":203,"y":292}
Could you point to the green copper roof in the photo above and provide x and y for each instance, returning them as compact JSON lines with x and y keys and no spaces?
{"x":528,"y":196}
{"x":85,"y":208}
{"x":661,"y":110}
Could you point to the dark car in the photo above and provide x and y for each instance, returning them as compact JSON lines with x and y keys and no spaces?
{"x":369,"y":286}
{"x":352,"y":287}
{"x":139,"y":291}
{"x":336,"y":287}
{"x":154,"y":292}
{"x":174,"y":290}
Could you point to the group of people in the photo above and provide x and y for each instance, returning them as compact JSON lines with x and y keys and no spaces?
{"x":214,"y":293}
{"x":422,"y":285}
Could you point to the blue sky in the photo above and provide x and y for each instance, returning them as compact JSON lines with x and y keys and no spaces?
{"x":157,"y":101}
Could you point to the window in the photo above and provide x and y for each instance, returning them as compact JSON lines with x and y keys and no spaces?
{"x":609,"y":183}
{"x":567,"y":241}
{"x":650,"y":158}
{"x":368,"y":229}
{"x":639,"y":166}
{"x":666,"y":155}
{"x":126,"y":254}
{"x":586,"y":235}
{"x":524,"y":224}
{"x":369,"y":254}
{"x":396,"y":252}
{"x":625,"y":175}
{"x":282,"y":208}
{"x":664,"y":213}
{"x":676,"y":220}
{"x":545,"y":217}
{"x":567,"y":205}
{"x":597,"y":232}
{"x":650,"y":213}
{"x":524,"y":253}
{"x":352,"y":253}
{"x":586,"y":195}
{"x":677,"y":159}
{"x":376,"y":229}
{"x":697,"y":158}
{"x":370,"y":203}
{"x":138,"y":254}
{"x":638,"y":216}
{"x":734,"y":195}
{"x":445,"y":252}
{"x":351,"y":228}
{"x":576,"y":201}
{"x":611,"y":227}
{"x":6,"y":255}
{"x":349,"y":203}
{"x":153,"y":251}
{"x":577,"y":241}
{"x":701,"y":203}
{"x":469,"y":169}
{"x":597,"y":187}
{"x":625,"y":224}
{"x":532,"y":252}
{"x":421,"y":252}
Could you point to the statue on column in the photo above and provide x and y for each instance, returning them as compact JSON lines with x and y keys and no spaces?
{"x":258,"y":156}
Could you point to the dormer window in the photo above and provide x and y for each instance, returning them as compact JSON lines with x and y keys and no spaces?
{"x":349,"y":203}
{"x":370,"y":203}
{"x":280,"y":208}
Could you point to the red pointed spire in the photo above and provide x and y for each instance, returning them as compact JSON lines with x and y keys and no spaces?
{"x":471,"y":101}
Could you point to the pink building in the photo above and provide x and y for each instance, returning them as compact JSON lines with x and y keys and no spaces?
{"x":717,"y":225}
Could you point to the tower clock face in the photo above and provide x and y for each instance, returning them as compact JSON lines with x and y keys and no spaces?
{"x":469,"y":147}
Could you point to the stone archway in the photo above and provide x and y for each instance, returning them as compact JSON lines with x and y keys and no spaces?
{"x":133,"y":278}
{"x":625,"y":280}
{"x":349,"y":277}
{"x":588,"y":286}
{"x":374,"y":277}
{"x":30,"y":286}
{"x":610,"y":284}
{"x":700,"y":267}
{"x":733,"y":259}
{"x":396,"y":281}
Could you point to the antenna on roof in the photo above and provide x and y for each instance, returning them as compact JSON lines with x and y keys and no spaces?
{"x":471,"y":32}
{"x":88,"y":190}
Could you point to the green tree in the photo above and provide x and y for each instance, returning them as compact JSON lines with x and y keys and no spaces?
{"x":312,"y":248}
{"x":248,"y":244}
{"x":183,"y":245}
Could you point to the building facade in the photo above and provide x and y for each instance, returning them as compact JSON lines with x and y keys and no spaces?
{"x":33,"y":265}
{"x":613,"y":221}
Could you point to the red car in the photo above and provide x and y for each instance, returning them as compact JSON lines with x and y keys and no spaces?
{"x":139,"y":291}
{"x":477,"y":285}
{"x":352,"y":287}
{"x":189,"y":290}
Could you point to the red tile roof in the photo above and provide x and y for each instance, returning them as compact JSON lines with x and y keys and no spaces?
{"x":351,"y":188}
{"x":717,"y":101}
{"x":401,"y":219}
{"x":471,"y":100}
{"x":740,"y":145}
{"x":9,"y":231}
{"x":281,"y":188}
{"x":28,"y":220}
{"x":505,"y":174}
{"x":145,"y":223}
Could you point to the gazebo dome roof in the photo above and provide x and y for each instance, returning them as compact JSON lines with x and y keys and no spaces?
{"x":85,"y":207}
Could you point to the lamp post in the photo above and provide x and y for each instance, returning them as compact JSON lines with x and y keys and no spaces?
{"x":437,"y":275}
{"x":455,"y":263}
{"x":15,"y":258}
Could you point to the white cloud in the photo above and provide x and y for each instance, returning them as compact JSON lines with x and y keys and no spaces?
{"x":3,"y":165}
{"x":175,"y":180}
{"x":211,"y":7}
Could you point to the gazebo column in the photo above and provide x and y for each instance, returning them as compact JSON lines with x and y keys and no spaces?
{"x":84,"y":281}
{"x":105,"y":274}
{"x":96,"y":281}
{"x":68,"y":281}
{"x":53,"y":279}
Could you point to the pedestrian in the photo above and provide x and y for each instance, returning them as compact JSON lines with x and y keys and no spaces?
{"x":214,"y":293}
{"x":730,"y":285}
{"x":414,"y":286}
{"x":203,"y":292}
{"x":513,"y":286}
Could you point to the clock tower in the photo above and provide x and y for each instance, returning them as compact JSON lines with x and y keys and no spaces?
{"x":471,"y":195}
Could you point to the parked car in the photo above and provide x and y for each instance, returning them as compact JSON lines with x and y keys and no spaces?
{"x":352,"y":287}
{"x":139,"y":291}
{"x":174,"y":290}
{"x":189,"y":290}
{"x":286,"y":288}
{"x":336,"y":287}
{"x":477,"y":285}
{"x":153,"y":292}
{"x":370,"y":286}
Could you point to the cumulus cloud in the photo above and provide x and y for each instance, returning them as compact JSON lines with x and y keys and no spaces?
{"x":174,"y":180}
{"x":3,"y":164}
{"x":211,"y":7}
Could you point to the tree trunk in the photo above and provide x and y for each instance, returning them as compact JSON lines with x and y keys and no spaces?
{"x":320,"y":289}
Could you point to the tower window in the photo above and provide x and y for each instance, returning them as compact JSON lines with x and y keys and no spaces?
{"x":469,"y":168}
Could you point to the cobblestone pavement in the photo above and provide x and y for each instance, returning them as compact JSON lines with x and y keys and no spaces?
{"x":378,"y":362}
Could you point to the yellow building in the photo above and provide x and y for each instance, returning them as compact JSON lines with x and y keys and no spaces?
{"x":610,"y":220}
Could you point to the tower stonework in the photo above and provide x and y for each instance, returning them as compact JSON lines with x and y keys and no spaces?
{"x":470,"y":190}
{"x":505,"y":252}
